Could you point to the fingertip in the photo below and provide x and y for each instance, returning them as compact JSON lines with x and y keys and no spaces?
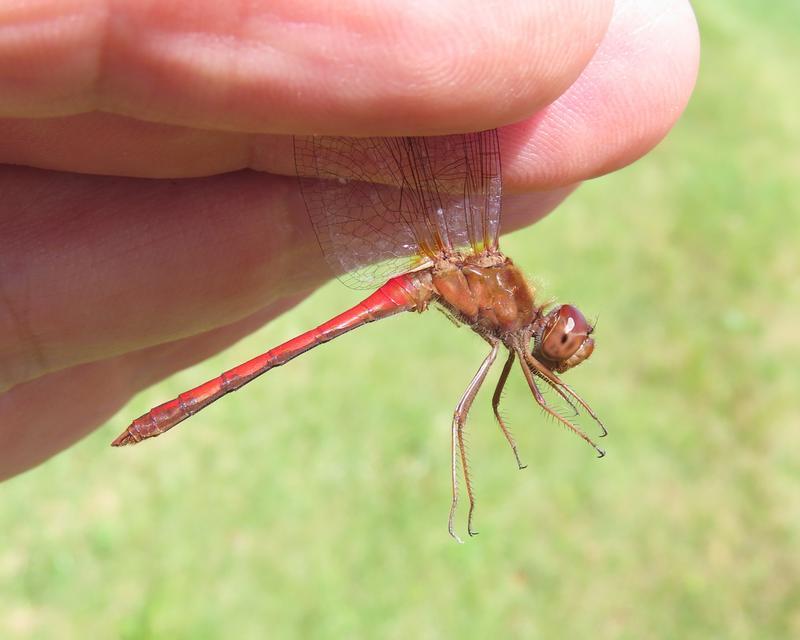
{"x":623,"y":104}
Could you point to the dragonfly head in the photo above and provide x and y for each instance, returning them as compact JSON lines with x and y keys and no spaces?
{"x":562,"y":338}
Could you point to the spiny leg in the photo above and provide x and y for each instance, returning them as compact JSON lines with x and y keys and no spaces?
{"x":559,"y":391}
{"x":448,"y":315}
{"x":583,"y":403}
{"x":556,"y":383}
{"x":537,"y":394}
{"x":498,"y":393}
{"x":457,"y":442}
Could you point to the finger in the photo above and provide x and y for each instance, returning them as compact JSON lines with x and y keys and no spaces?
{"x":95,"y":267}
{"x":351,"y":67}
{"x":623,"y":103}
{"x":41,"y":417}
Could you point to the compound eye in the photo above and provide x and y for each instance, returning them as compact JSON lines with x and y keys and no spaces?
{"x":564,"y":333}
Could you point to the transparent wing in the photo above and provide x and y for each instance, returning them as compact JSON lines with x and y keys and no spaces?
{"x":383,"y":206}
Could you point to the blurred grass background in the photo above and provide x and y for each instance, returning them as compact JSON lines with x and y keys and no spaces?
{"x":314,"y":504}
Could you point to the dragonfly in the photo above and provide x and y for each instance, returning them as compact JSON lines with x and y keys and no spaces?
{"x":419,"y":218}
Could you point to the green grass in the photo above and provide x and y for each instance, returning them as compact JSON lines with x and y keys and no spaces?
{"x":314,"y":504}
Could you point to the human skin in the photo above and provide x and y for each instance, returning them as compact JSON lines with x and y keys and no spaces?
{"x":148,"y":215}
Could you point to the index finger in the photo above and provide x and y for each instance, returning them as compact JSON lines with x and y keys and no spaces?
{"x":277,"y":67}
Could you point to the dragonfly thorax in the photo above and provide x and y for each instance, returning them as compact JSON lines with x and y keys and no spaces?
{"x":487,"y":292}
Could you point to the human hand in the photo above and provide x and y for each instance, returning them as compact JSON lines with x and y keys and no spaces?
{"x":148,"y":217}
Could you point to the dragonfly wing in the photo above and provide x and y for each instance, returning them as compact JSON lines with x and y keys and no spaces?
{"x":383,"y":206}
{"x":467,"y":183}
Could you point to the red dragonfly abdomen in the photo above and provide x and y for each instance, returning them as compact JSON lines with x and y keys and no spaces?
{"x":408,"y":292}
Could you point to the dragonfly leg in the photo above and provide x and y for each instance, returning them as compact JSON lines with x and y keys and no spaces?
{"x":563,"y":389}
{"x":498,"y":393}
{"x":529,"y":363}
{"x":557,"y":388}
{"x":448,"y":315}
{"x":582,"y":402}
{"x":457,"y":442}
